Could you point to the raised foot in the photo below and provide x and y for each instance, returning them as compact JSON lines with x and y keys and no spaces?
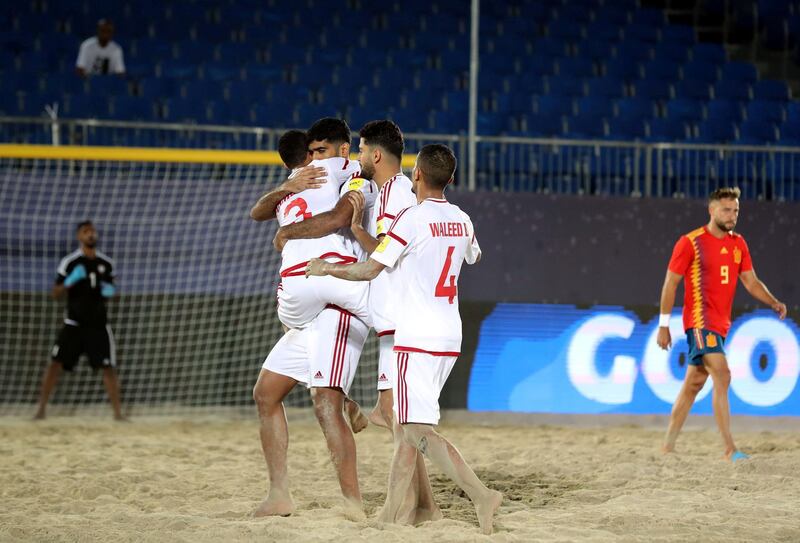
{"x":357,"y":419}
{"x":486,"y":508}
{"x":376,"y":417}
{"x":275,"y":507}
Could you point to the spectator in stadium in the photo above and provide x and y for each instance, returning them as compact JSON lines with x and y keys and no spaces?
{"x":86,"y":276}
{"x":100,"y":55}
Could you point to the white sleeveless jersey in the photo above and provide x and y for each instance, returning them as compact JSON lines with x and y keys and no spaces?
{"x":426,"y":246}
{"x":395,"y":195}
{"x":303,"y":205}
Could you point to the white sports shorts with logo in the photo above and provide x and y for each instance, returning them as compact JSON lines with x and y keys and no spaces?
{"x":387,"y":361}
{"x":336,"y":339}
{"x":418,"y":382}
{"x":301,"y":299}
{"x":289,"y":356}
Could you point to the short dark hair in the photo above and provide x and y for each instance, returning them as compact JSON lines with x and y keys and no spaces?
{"x":384,"y":134}
{"x":329,"y":129}
{"x":438,"y":164}
{"x":724,"y":193}
{"x":293,"y":148}
{"x":82,"y":224}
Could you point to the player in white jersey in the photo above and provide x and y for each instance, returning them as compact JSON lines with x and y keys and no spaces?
{"x":426,"y":246}
{"x":324,"y":347}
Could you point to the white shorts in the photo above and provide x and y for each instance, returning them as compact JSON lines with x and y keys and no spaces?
{"x":387,"y":361}
{"x":301,"y":299}
{"x":289,"y":356}
{"x":335,"y":341}
{"x":418,"y":381}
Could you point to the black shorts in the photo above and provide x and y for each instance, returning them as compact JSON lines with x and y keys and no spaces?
{"x":97,"y":342}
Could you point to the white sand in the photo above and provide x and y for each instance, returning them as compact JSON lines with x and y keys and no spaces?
{"x":88,"y":479}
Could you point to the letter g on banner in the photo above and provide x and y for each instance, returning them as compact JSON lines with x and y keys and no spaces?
{"x":617,"y":386}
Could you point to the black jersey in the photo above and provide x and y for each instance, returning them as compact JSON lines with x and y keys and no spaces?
{"x":85,"y":303}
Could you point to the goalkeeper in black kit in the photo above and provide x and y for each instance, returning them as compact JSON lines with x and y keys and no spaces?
{"x":86,"y":276}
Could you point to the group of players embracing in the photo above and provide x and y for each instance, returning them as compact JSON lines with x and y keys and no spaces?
{"x":363,"y":245}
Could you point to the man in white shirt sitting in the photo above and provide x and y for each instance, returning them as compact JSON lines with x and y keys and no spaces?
{"x":100,"y":55}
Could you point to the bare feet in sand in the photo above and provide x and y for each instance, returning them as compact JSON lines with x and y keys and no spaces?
{"x":40,"y":415}
{"x":427,"y":515}
{"x":275,"y":506}
{"x":667,"y":449}
{"x":354,"y":511}
{"x":485,"y":508}
{"x":376,"y":417}
{"x":357,"y":419}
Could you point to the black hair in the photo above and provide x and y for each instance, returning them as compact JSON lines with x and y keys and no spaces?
{"x":330,"y":129}
{"x":293,"y":148}
{"x":384,"y":134}
{"x":81,"y":224}
{"x":438,"y":164}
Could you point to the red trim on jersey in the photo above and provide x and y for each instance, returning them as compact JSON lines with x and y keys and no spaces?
{"x":385,"y":333}
{"x":346,"y":162}
{"x":299,"y":269}
{"x":282,"y":200}
{"x":387,"y":188}
{"x":401,"y":349}
{"x":386,"y":215}
{"x":339,"y":309}
{"x":436,"y":200}
{"x":395,"y":236}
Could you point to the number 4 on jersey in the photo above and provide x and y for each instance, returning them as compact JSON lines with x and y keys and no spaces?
{"x":447,"y":291}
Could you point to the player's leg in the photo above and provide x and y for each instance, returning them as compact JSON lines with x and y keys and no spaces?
{"x":65,"y":353}
{"x":382,"y":414}
{"x":717,"y":366}
{"x":358,"y":420}
{"x":102,"y":351}
{"x":695,"y":379}
{"x":286,"y":365}
{"x":51,"y":374}
{"x":269,"y":393}
{"x":335,"y":345}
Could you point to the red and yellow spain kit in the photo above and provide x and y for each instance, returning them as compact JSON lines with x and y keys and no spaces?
{"x":710,"y":267}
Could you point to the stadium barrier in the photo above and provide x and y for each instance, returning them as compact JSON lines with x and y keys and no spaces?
{"x":554,"y":166}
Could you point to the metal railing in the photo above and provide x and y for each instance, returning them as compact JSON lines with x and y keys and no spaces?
{"x":566,"y":166}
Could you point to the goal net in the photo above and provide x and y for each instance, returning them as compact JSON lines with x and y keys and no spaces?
{"x":195,"y":313}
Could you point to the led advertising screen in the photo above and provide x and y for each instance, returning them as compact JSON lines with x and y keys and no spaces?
{"x":562,"y":359}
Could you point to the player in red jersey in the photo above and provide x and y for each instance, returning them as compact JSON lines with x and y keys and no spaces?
{"x":711,"y":259}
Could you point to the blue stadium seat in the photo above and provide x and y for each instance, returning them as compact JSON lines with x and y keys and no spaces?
{"x":198,"y":89}
{"x":550,"y":47}
{"x":600,"y":30}
{"x":230,"y":112}
{"x":132,"y":109}
{"x":565,"y":85}
{"x":153,"y":88}
{"x":84,"y":106}
{"x":739,"y":72}
{"x":258,"y":73}
{"x":712,"y":53}
{"x":717,"y":130}
{"x":678,"y":34}
{"x":613,"y":15}
{"x":273,"y":114}
{"x":790,"y":134}
{"x":574,"y":11}
{"x":595,"y":50}
{"x":765,"y":110}
{"x":447,"y":122}
{"x":793,"y":112}
{"x":633,"y":51}
{"x":600,"y":106}
{"x":586,"y":127}
{"x":667,"y":130}
{"x":186,"y":110}
{"x":565,"y":30}
{"x":685,"y":109}
{"x":757,"y":132}
{"x":489,"y":125}
{"x":575,"y":67}
{"x":177,"y":69}
{"x":545,"y":124}
{"x":673,"y":52}
{"x":661,"y":70}
{"x":107,"y":86}
{"x":641,"y":32}
{"x":725,"y":90}
{"x":410,"y":120}
{"x":621,"y":128}
{"x":219,"y":71}
{"x":605,"y":86}
{"x":724,"y":110}
{"x":654,"y":90}
{"x":456,"y":101}
{"x":692,"y":89}
{"x":653,"y":18}
{"x":555,"y":105}
{"x":622,"y":69}
{"x":700,"y":71}
{"x":636,"y":107}
{"x":771,"y":89}
{"x":191,"y":52}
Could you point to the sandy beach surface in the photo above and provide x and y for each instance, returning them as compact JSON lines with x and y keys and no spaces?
{"x":167,"y":479}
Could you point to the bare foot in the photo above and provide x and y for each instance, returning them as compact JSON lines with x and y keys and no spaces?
{"x":275,"y":507}
{"x":667,"y":449}
{"x":40,"y":415}
{"x":486,"y":509}
{"x":121,"y":418}
{"x":376,"y":417}
{"x":426,"y":515}
{"x":357,"y":419}
{"x":354,"y":510}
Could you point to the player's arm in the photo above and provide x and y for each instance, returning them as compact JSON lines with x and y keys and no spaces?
{"x":316,"y":226}
{"x":760,"y":292}
{"x":668,"y":290}
{"x":360,"y":271}
{"x":357,"y":222}
{"x":58,"y":291}
{"x":310,"y":177}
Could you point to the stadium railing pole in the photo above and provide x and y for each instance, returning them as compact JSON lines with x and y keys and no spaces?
{"x":473,"y":94}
